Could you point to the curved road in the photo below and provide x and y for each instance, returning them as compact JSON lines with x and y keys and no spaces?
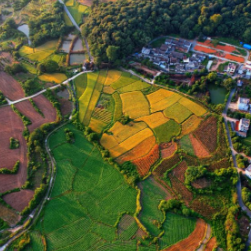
{"x":238,"y":185}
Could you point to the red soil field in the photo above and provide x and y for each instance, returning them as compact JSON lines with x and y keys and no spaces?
{"x":26,"y":108}
{"x":19,"y":200}
{"x":235,"y":58}
{"x":179,"y":171}
{"x":227,"y":48}
{"x":192,"y":242}
{"x":144,"y":164}
{"x":10,"y":87}
{"x":11,"y":126}
{"x":168,"y":151}
{"x":204,"y":49}
{"x":224,"y":163}
{"x":212,"y":243}
{"x":199,"y":149}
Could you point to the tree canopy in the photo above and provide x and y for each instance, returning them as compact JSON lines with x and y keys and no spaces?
{"x":131,"y":24}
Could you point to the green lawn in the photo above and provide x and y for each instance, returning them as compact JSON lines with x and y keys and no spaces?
{"x":176,"y":228}
{"x":229,"y":40}
{"x":165,"y":132}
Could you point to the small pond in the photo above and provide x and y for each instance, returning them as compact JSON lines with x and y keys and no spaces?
{"x":25,"y":29}
{"x":217,"y":94}
{"x":77,"y":59}
{"x":78,"y":46}
{"x":66,"y":46}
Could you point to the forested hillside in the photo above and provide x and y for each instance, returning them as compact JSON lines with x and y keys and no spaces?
{"x":115,"y":29}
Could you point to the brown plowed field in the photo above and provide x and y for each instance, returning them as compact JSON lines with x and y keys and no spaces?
{"x":11,"y":126}
{"x":211,"y":244}
{"x":26,"y":108}
{"x":169,"y":150}
{"x":10,"y":87}
{"x":199,"y":149}
{"x":193,"y":240}
{"x":201,"y":183}
{"x":9,"y":215}
{"x":66,"y":106}
{"x":179,"y":171}
{"x":19,"y":200}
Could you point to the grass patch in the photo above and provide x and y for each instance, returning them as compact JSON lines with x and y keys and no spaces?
{"x":229,"y":40}
{"x":118,"y":112}
{"x":157,"y":43}
{"x":186,"y":144}
{"x":221,"y":67}
{"x":165,"y":132}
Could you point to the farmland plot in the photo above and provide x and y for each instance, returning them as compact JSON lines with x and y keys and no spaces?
{"x":98,"y":195}
{"x":134,"y":104}
{"x":10,"y":87}
{"x":124,"y":80}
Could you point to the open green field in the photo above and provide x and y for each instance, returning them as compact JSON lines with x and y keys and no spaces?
{"x":176,"y":228}
{"x":165,"y":132}
{"x":151,"y":196}
{"x":77,"y":10}
{"x":88,"y":198}
{"x":186,"y":144}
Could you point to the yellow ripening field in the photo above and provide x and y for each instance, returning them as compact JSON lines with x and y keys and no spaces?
{"x":158,"y":95}
{"x":190,"y":125}
{"x":97,"y":125}
{"x":53,"y":77}
{"x":108,"y":141}
{"x":198,"y":110}
{"x":154,"y":120}
{"x":140,"y":150}
{"x":162,"y":99}
{"x":134,"y":104}
{"x":112,"y":76}
{"x":130,"y":143}
{"x":136,"y":86}
{"x":122,"y":132}
{"x":177,"y":112}
{"x":108,"y":89}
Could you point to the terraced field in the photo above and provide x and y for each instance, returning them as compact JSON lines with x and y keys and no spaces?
{"x":162,"y":133}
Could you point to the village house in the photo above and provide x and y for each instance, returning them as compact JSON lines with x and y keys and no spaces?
{"x":243,"y":104}
{"x":239,"y":83}
{"x":145,"y":51}
{"x":231,"y":68}
{"x":243,"y":127}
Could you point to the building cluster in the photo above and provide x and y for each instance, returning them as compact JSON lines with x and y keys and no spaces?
{"x":173,"y":56}
{"x":242,"y":125}
{"x":245,"y":70}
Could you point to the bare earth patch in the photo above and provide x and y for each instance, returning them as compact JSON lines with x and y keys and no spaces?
{"x":10,"y":87}
{"x":11,"y":126}
{"x":19,"y":200}
{"x":199,"y":149}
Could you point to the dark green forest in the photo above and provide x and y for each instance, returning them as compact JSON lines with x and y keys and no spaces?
{"x":115,"y":30}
